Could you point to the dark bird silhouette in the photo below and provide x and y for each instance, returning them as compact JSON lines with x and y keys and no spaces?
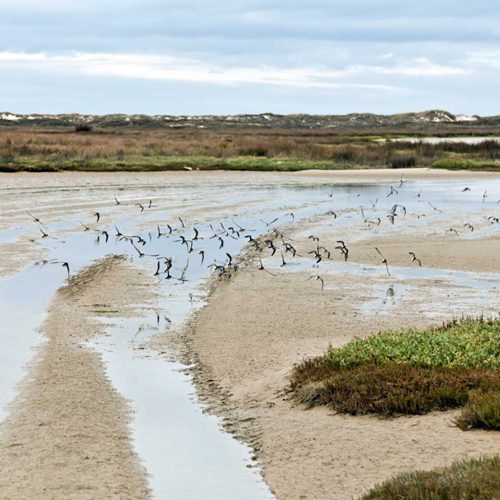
{"x":35,"y":219}
{"x":202,"y":253}
{"x":66,"y":266}
{"x":97,"y":216}
{"x":384,"y":261}
{"x":182,"y":223}
{"x":221,"y":242}
{"x":140,"y":206}
{"x":283,"y":261}
{"x":469,"y":226}
{"x":414,"y":258}
{"x":116,"y":201}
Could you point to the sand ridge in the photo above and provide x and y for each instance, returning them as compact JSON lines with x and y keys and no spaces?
{"x":67,"y":433}
{"x":256,"y":326}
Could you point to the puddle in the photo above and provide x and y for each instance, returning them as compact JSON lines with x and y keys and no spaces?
{"x":183,"y":449}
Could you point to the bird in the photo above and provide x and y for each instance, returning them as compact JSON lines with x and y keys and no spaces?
{"x":392,"y":191}
{"x":318,"y":278}
{"x":116,"y":201}
{"x":452,"y":230}
{"x":202,"y":253}
{"x":469,"y":226}
{"x":269,"y":223}
{"x":415,"y":259}
{"x":35,"y":219}
{"x":182,"y":223}
{"x":485,"y":195}
{"x":66,"y":266}
{"x":384,"y":261}
{"x":283,"y":261}
{"x":98,"y":216}
{"x":140,"y":206}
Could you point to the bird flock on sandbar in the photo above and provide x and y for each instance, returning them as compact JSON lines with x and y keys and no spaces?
{"x":212,"y":246}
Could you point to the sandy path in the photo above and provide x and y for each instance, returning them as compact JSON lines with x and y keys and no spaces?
{"x":256,"y":327}
{"x":67,"y":434}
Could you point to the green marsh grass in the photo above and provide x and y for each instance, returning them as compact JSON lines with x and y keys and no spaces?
{"x":405,"y":372}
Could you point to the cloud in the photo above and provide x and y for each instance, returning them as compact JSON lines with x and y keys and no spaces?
{"x":183,"y":69}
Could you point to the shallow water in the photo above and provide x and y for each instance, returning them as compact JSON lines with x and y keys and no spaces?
{"x":439,"y":140}
{"x":172,"y":436}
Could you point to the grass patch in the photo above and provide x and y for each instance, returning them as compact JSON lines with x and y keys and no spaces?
{"x":396,"y":388}
{"x":482,"y":411}
{"x":477,"y":479}
{"x":463,"y":164}
{"x":405,"y":372}
{"x":171,"y":163}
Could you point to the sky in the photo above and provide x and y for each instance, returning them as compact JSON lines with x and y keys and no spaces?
{"x":191,"y":57}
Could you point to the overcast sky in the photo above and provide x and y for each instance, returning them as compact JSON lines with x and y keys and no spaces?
{"x":249,"y":56}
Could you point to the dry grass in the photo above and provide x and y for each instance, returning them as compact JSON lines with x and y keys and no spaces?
{"x":23,"y":146}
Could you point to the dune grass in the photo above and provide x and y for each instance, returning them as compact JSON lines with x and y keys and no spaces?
{"x":407,"y":372}
{"x":471,"y":479}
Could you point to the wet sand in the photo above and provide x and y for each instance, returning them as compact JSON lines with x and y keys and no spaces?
{"x":67,"y":434}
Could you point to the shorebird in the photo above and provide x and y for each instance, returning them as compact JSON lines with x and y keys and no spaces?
{"x":485,"y":195}
{"x":182,"y":223}
{"x":35,"y":219}
{"x":469,"y":226}
{"x":98,"y":216}
{"x":269,"y":223}
{"x":384,"y":261}
{"x":452,"y":230}
{"x":116,"y":201}
{"x":392,"y":191}
{"x":414,"y":258}
{"x":202,"y":253}
{"x":140,"y":206}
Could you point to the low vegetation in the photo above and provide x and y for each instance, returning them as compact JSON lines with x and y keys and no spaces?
{"x":482,"y":411}
{"x":410,"y":372}
{"x":84,"y":148}
{"x":477,"y":479}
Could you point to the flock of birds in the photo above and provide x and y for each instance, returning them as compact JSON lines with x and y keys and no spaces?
{"x":210,"y":245}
